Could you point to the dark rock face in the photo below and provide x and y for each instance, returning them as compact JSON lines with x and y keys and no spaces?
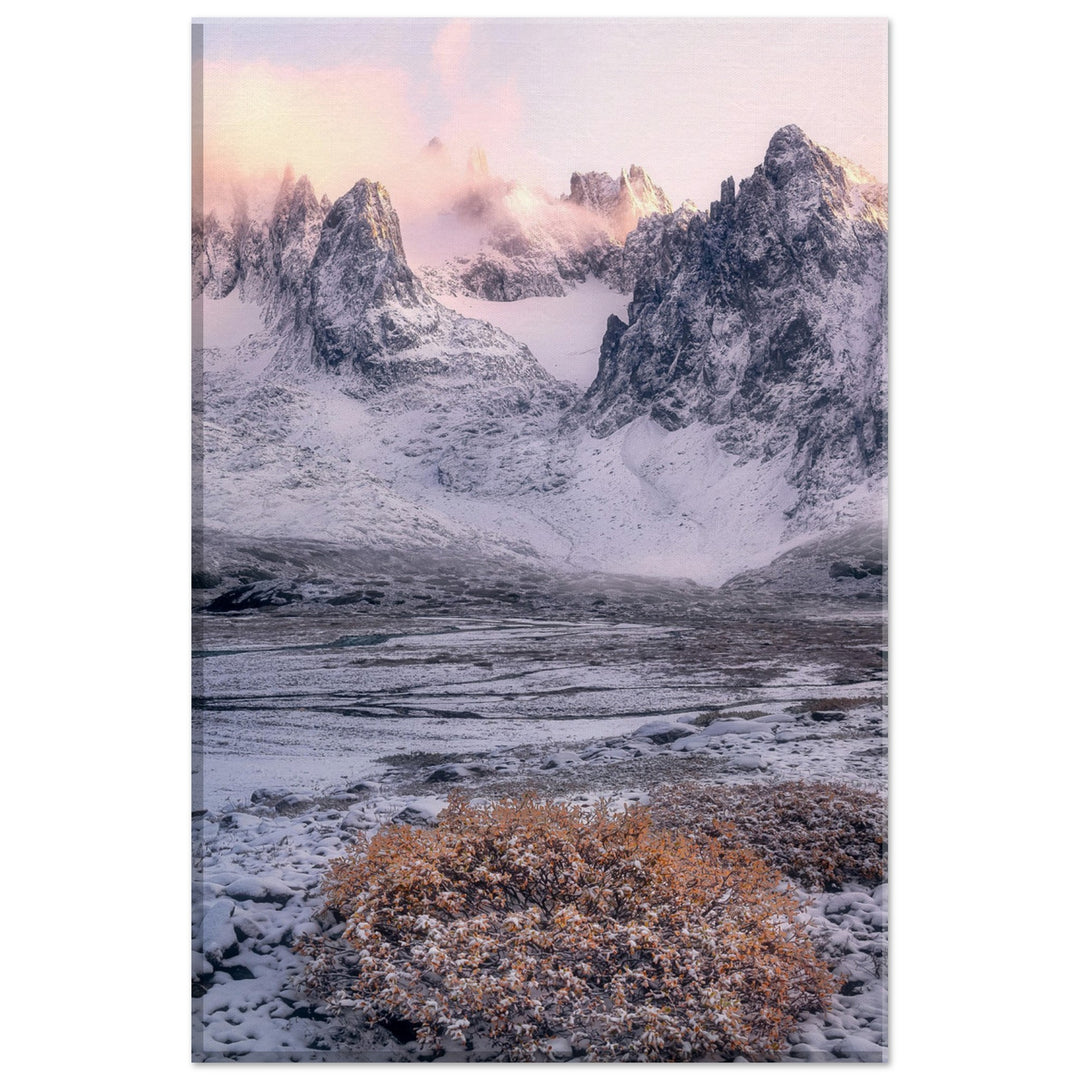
{"x":268,"y":261}
{"x":215,"y":261}
{"x":595,"y":191}
{"x":765,"y":318}
{"x":652,"y":250}
{"x":363,"y":313}
{"x":249,"y":597}
{"x":294,"y":233}
{"x":357,"y":272}
{"x":334,"y":283}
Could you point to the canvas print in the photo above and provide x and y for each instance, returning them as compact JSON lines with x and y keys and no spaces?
{"x":539,"y":563}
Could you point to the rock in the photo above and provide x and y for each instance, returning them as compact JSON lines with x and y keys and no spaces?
{"x":559,"y":1049}
{"x":746,"y":762}
{"x":269,"y":795}
{"x":737,"y":320}
{"x":562,"y":760}
{"x":294,"y":804}
{"x":356,"y":820}
{"x":841,"y":569}
{"x":693,"y":743}
{"x":258,"y":595}
{"x":365,"y":315}
{"x":737,"y":727}
{"x":454,"y":771}
{"x":664,"y":731}
{"x":218,"y":937}
{"x":262,"y":889}
{"x":421,"y":811}
{"x":363,"y":787}
{"x":246,"y":928}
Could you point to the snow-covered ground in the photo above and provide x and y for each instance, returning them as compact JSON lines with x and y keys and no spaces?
{"x":313,"y":729}
{"x":292,"y":458}
{"x":563,"y":332}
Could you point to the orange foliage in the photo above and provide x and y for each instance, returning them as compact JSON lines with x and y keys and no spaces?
{"x":511,"y":925}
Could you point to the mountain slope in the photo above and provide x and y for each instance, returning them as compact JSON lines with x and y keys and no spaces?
{"x":363,"y":315}
{"x":766,"y":321}
{"x":738,"y":410}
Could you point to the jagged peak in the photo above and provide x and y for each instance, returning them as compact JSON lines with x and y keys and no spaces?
{"x":284,"y":195}
{"x":304,"y":190}
{"x":367,"y":202}
{"x":791,"y":151}
{"x":593,"y":190}
{"x":795,"y":164}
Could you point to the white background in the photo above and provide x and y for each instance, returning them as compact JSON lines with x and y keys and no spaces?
{"x":95,"y":216}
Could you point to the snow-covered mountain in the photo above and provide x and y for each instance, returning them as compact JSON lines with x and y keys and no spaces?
{"x":738,"y":411}
{"x":766,"y":321}
{"x":621,"y":203}
{"x":265,"y":261}
{"x":362,"y":313}
{"x":540,"y":246}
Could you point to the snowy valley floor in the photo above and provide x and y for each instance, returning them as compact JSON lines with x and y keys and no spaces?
{"x":315,"y":725}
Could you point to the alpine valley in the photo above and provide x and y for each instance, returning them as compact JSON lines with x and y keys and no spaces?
{"x":588,"y":502}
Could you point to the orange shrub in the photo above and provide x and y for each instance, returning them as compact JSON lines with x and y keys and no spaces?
{"x":822,"y":834}
{"x":526,"y":921}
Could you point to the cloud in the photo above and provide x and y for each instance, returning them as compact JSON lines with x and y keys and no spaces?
{"x":337,"y":125}
{"x":449,"y":50}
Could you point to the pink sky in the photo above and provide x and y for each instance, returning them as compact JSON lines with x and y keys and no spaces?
{"x":692,"y":100}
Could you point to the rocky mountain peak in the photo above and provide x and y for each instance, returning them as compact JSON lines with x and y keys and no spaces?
{"x":362,"y":313}
{"x":765,"y":319}
{"x":638,"y":198}
{"x":804,"y":174}
{"x":360,"y":256}
{"x":595,"y":191}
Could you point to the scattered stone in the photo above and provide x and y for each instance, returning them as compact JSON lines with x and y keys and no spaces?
{"x":664,"y":731}
{"x":454,"y":771}
{"x":562,"y":759}
{"x":420,"y":812}
{"x":269,"y":795}
{"x":263,"y":889}
{"x":746,"y":762}
{"x":294,"y":804}
{"x":363,"y":787}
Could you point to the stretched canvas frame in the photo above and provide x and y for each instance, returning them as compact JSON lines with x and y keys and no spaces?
{"x":539,"y":510}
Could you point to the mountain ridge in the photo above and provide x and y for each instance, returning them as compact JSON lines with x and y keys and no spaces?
{"x":738,"y":407}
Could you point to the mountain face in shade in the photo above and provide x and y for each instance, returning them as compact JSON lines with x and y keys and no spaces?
{"x":363,"y":313}
{"x":738,"y":409}
{"x":294,"y":231}
{"x":765,"y":319}
{"x":265,"y":261}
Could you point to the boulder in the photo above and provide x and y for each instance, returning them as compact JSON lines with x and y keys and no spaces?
{"x":664,"y":731}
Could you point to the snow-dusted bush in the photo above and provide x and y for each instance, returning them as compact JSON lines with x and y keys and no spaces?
{"x":530,"y":928}
{"x":824,"y":835}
